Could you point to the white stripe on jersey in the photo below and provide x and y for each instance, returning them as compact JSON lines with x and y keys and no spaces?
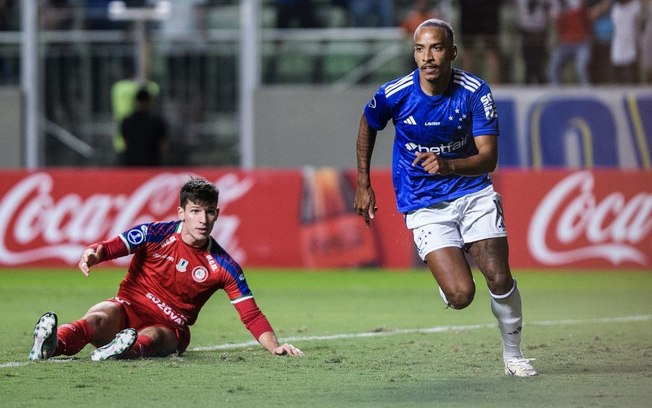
{"x":398,"y":85}
{"x":124,"y":241}
{"x":240,"y":299}
{"x":465,"y":80}
{"x":399,"y":82}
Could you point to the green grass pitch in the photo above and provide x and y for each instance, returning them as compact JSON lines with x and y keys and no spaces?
{"x":372,"y":338}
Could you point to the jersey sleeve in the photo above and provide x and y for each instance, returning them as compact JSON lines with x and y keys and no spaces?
{"x":127,"y":242}
{"x":377,"y":110}
{"x":235,"y":283}
{"x":253,"y":318}
{"x":112,"y":248}
{"x":485,"y":115}
{"x":140,"y":235}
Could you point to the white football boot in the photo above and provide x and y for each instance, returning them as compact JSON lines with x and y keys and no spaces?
{"x":45,"y":337}
{"x":519,"y":367}
{"x":122,"y":342}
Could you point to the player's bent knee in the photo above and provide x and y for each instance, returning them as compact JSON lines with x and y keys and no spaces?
{"x":460,"y":300}
{"x":461,"y":304}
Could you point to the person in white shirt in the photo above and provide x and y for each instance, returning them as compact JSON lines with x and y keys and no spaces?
{"x":646,"y":42}
{"x":625,"y":15}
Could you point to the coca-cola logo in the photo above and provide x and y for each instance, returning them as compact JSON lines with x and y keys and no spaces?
{"x":37,"y":225}
{"x":572,"y":224}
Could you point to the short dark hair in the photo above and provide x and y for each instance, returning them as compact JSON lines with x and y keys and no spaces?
{"x":199,"y":191}
{"x":143,"y":95}
{"x":435,"y":22}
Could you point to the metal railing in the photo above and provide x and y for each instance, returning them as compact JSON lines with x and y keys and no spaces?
{"x":198,"y":78}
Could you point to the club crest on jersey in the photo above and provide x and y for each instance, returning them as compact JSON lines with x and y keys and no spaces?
{"x":182,"y":265}
{"x":199,"y":274}
{"x":136,"y":236}
{"x":372,"y":102}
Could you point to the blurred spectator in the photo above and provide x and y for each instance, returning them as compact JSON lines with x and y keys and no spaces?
{"x":371,"y":13}
{"x":420,"y":11}
{"x":9,"y":15}
{"x":573,"y":20}
{"x":145,"y":133}
{"x":97,"y":14}
{"x":9,"y":19}
{"x":123,"y":104}
{"x":55,"y":15}
{"x":291,"y":14}
{"x":295,"y":14}
{"x":533,"y":18}
{"x":479,"y":23}
{"x":646,"y":43}
{"x":600,"y":70}
{"x":625,"y":15}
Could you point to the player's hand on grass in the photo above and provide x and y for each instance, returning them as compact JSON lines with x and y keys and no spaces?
{"x":287,"y":350}
{"x":89,"y":258}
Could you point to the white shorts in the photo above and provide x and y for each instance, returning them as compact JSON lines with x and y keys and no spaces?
{"x":468,"y":219}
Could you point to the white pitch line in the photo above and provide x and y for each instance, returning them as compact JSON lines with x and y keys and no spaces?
{"x":428,"y":330}
{"x":392,"y":332}
{"x":24,"y":363}
{"x":388,"y":332}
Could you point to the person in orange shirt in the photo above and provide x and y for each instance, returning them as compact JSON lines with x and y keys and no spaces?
{"x":420,"y":11}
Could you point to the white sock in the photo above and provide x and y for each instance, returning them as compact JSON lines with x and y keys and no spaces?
{"x":508,"y":312}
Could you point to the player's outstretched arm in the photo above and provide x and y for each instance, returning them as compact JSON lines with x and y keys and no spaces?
{"x":90,"y":257}
{"x":365,"y":198}
{"x":269,"y":341}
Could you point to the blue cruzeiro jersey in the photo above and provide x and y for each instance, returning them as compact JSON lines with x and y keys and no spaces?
{"x":444,"y":124}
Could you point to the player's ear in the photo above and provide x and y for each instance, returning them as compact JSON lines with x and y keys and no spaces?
{"x":453,"y":52}
{"x":181,"y":213}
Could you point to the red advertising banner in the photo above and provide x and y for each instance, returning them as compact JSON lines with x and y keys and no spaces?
{"x":272,"y":218}
{"x":578,"y":219}
{"x":304,"y":218}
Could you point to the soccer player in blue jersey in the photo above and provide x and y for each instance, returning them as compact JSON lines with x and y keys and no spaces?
{"x":445,"y":146}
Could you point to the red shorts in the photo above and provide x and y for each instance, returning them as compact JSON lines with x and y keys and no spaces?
{"x":139,"y":318}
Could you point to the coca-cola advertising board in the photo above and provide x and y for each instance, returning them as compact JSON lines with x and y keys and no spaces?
{"x":303,"y":218}
{"x":270,"y":218}
{"x":582,"y":219}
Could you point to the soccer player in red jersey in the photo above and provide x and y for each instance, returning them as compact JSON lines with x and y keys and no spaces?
{"x":176,"y":267}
